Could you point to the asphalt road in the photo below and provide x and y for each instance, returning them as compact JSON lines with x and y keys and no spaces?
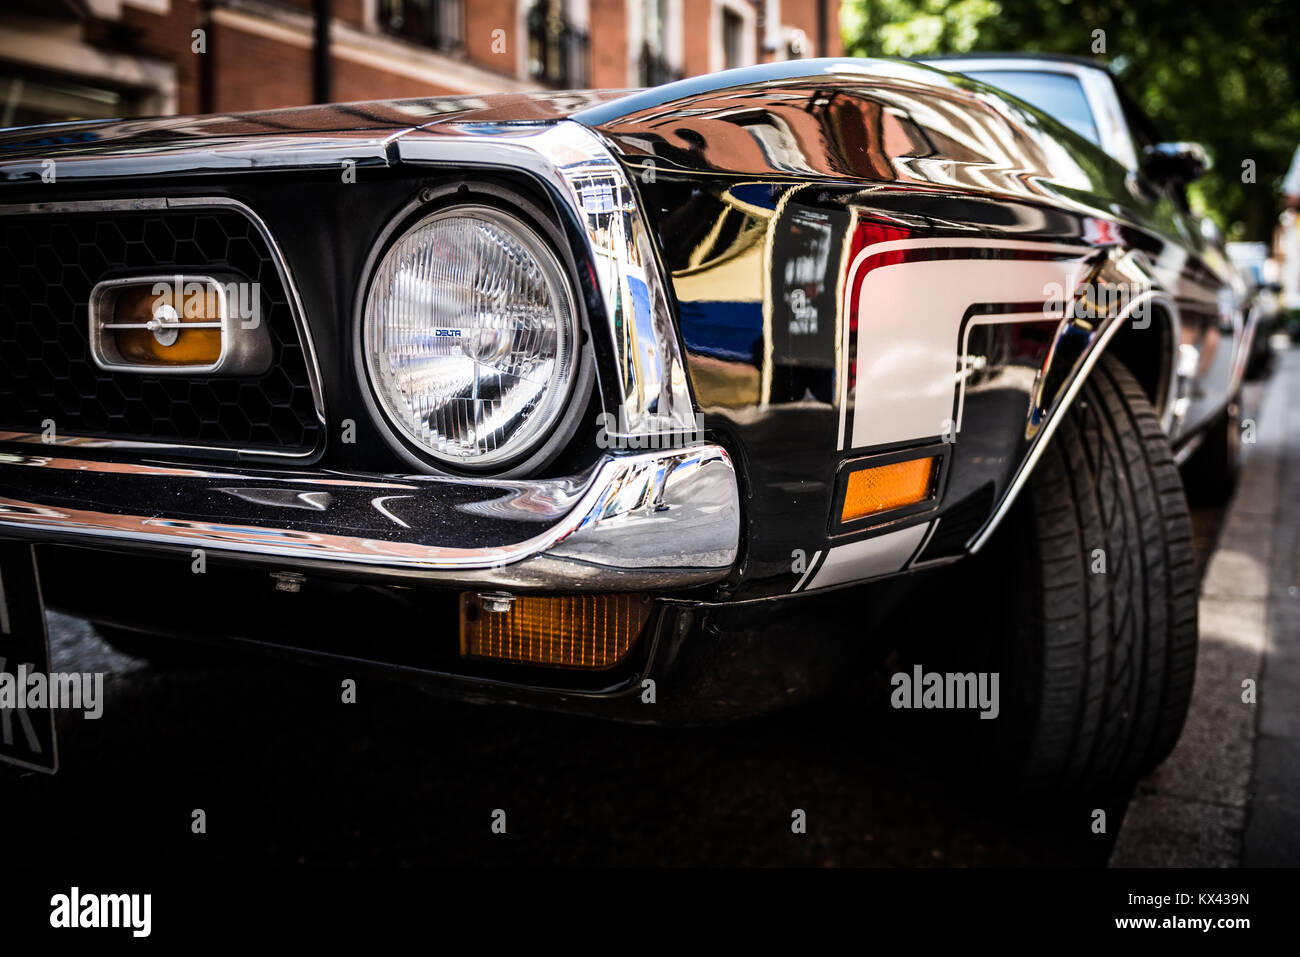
{"x":286,"y":773}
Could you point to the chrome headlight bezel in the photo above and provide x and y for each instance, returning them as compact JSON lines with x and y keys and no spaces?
{"x":554,"y":434}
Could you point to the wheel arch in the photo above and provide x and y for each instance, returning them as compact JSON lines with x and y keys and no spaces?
{"x":1141,"y":329}
{"x":1149,"y":351}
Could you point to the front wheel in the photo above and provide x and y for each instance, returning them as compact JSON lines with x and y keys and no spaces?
{"x":1098,"y":636}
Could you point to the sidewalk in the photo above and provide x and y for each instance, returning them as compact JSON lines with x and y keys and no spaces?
{"x":1273,"y":824}
{"x":1229,"y":795}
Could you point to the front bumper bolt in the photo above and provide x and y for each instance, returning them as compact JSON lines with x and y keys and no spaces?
{"x":288,"y":581}
{"x":496,"y":602}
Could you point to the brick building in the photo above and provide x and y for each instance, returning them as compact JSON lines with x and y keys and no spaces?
{"x":78,"y":59}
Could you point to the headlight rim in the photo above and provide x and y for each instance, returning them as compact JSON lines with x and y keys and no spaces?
{"x":519,"y":213}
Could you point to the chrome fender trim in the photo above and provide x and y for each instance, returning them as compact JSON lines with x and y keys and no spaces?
{"x":1066,"y":369}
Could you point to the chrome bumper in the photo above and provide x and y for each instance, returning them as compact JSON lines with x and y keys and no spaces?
{"x":648,"y":521}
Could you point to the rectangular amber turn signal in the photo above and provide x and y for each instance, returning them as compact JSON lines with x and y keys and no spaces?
{"x":188,"y":331}
{"x":190,"y":323}
{"x":562,"y":631}
{"x":887,"y":487}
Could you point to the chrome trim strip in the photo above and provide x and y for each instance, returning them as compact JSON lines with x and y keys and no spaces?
{"x":653,"y":386}
{"x":281,"y":268}
{"x":286,"y":279}
{"x":1095,"y":349}
{"x":656,"y":520}
{"x":1245,"y":344}
{"x":140,"y":445}
{"x":82,"y":206}
{"x":230,"y":154}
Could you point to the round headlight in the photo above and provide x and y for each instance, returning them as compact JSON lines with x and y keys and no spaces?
{"x":470,"y":337}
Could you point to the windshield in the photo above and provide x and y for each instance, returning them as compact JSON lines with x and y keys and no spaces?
{"x":1059,"y":95}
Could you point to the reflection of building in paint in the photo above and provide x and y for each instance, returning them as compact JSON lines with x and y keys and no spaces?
{"x":758,"y":297}
{"x":801,"y":306}
{"x":720,"y":297}
{"x":761,"y":329}
{"x":889,"y":129}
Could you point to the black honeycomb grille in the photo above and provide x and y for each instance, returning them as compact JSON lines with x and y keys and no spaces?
{"x":49,"y":263}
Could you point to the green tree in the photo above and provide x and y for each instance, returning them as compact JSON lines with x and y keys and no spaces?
{"x":1226,"y":75}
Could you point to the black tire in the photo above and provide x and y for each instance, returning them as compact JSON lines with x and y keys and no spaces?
{"x":1210,"y":474}
{"x":1098,"y":648}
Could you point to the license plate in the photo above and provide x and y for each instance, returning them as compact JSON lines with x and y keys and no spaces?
{"x":26,"y":733}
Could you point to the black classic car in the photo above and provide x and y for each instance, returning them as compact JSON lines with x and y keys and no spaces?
{"x":644,"y":404}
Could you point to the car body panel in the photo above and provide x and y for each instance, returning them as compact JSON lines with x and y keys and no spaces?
{"x":933,"y":221}
{"x":1123,"y":134}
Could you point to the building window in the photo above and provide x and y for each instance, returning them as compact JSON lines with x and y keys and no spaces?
{"x":557,"y":51}
{"x":439,"y":24}
{"x":733,"y":39}
{"x":654,"y":67}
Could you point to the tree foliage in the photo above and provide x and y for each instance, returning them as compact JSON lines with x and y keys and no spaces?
{"x":1224,"y":74}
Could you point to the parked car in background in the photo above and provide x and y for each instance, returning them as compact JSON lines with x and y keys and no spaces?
{"x":647,"y":405}
{"x":1264,"y":296}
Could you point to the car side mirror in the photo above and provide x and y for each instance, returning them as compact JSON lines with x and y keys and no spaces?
{"x":1175,"y":163}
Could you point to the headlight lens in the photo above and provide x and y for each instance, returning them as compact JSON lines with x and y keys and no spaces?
{"x":470,"y":336}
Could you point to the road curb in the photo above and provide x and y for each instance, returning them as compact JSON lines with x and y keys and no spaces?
{"x":1194,"y":810}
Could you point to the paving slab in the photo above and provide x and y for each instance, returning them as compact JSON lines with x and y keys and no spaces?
{"x":1230,"y":793}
